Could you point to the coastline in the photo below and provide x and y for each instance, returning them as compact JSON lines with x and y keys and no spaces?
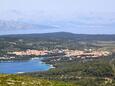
{"x":36,"y":62}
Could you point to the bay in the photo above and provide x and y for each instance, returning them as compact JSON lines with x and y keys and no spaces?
{"x":33,"y":65}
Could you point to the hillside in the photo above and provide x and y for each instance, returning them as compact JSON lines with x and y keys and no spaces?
{"x":65,"y":35}
{"x":60,"y":40}
{"x":14,"y":80}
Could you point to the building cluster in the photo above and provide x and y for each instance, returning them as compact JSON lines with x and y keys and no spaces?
{"x":7,"y":56}
{"x":31,"y":52}
{"x":84,"y":54}
{"x":67,"y":53}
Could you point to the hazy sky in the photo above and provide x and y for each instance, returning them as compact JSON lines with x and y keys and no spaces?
{"x":78,"y":16}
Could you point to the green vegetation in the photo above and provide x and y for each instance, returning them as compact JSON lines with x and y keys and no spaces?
{"x":83,"y":72}
{"x":15,"y":80}
{"x":50,"y":41}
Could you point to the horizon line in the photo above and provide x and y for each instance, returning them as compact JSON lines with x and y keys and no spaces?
{"x":55,"y":32}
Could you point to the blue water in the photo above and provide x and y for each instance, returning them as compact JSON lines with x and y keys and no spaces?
{"x":27,"y":66}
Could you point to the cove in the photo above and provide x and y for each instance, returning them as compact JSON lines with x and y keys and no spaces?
{"x":32,"y":65}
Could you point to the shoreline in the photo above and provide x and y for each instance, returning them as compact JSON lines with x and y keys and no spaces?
{"x":49,"y":66}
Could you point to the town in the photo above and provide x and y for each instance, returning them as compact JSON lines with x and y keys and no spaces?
{"x":86,"y":53}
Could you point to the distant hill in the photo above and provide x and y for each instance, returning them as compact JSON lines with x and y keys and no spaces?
{"x":60,"y":40}
{"x":66,"y":35}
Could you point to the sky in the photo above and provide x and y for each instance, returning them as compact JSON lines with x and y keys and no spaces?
{"x":76,"y":16}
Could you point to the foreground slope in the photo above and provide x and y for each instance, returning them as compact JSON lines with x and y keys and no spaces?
{"x":15,"y":80}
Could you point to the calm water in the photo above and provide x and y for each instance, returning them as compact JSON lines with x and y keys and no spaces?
{"x":28,"y":66}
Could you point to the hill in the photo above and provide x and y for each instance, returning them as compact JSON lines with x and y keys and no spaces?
{"x":60,"y":40}
{"x":66,"y":35}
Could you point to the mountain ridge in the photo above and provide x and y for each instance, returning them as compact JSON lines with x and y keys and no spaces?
{"x":64,"y":35}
